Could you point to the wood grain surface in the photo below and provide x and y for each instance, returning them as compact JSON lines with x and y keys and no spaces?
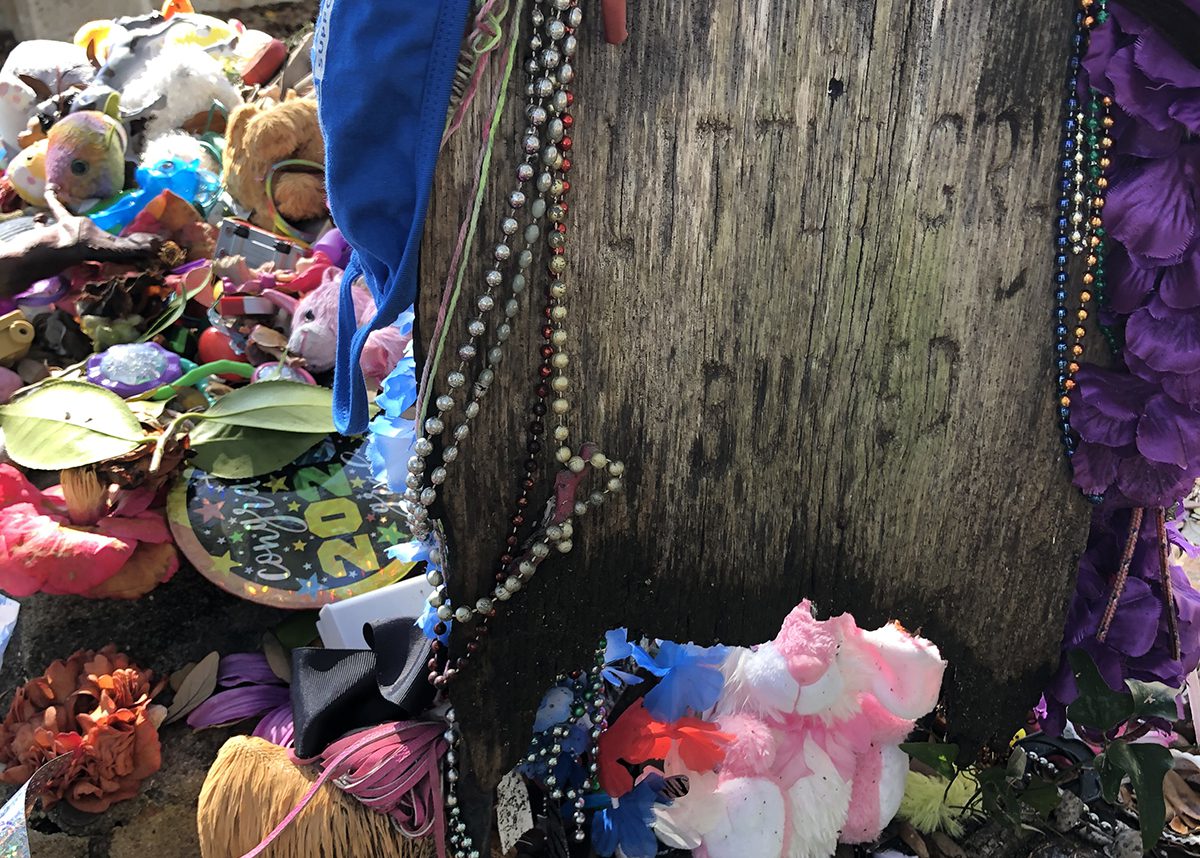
{"x":810,"y":302}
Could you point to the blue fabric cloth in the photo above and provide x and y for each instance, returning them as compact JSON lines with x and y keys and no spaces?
{"x":383,"y":72}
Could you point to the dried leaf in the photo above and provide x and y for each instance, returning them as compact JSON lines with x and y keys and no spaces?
{"x":913,"y":840}
{"x":277,"y":657}
{"x":178,"y":676}
{"x":199,"y":685}
{"x":946,"y":846}
{"x":157,"y":714}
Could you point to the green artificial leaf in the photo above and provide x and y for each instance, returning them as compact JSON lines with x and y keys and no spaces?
{"x":1154,"y":700}
{"x":173,"y":312}
{"x":938,"y":757}
{"x":285,"y":406}
{"x":1042,"y":796}
{"x":1145,"y":764}
{"x":1097,"y":706}
{"x":239,"y":452}
{"x":298,"y":629}
{"x":68,"y":424}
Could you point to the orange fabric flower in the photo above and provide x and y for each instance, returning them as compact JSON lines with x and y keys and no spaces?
{"x":94,"y":706}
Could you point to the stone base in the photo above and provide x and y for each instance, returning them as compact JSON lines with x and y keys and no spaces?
{"x":179,"y":622}
{"x":55,"y":19}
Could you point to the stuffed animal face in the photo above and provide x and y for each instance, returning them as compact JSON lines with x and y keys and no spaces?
{"x":260,"y":136}
{"x":86,"y":156}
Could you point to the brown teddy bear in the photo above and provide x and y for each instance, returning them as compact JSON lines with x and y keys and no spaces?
{"x":262,"y":134}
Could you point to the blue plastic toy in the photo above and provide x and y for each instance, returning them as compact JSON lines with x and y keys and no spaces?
{"x":182,"y":178}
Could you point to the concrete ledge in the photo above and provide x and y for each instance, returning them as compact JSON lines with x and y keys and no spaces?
{"x":59,"y":19}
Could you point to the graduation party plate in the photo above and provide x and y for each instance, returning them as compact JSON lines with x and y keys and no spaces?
{"x":314,"y":532}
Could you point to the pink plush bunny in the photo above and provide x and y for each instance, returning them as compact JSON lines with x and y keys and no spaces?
{"x":314,"y":328}
{"x":816,"y":717}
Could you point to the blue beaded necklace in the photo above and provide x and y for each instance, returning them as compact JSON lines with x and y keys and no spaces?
{"x":1080,"y":225}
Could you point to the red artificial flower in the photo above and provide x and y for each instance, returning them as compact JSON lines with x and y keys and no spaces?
{"x":75,"y":542}
{"x":636,"y":738}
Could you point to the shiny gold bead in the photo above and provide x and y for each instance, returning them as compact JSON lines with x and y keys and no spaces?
{"x":1077,"y":351}
{"x":1065,"y":402}
{"x":1089,"y":279}
{"x":1073,"y":368}
{"x":1096,"y":222}
{"x":1095,"y":242}
{"x":1107,"y":101}
{"x":1098,"y":202}
{"x":1108,"y":122}
{"x":1105,"y":163}
{"x":1081,"y":315}
{"x":1080,"y":332}
{"x":1085,"y":296}
{"x":1069,"y":384}
{"x":1092,"y":260}
{"x":1106,"y":142}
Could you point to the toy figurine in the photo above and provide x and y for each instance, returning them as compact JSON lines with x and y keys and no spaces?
{"x":16,"y":335}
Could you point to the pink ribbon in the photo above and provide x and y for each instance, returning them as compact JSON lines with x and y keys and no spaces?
{"x":394,"y":768}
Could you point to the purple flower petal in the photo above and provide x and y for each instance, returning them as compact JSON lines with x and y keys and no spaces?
{"x":246,"y":668}
{"x":1150,"y":484}
{"x":238,"y":704}
{"x":1179,"y":288}
{"x":1153,"y":211}
{"x":1129,"y":285}
{"x":277,"y":727}
{"x":1166,"y":345}
{"x":1169,"y":433}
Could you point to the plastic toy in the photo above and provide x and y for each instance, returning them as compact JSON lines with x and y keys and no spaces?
{"x":16,"y":335}
{"x":133,"y":368}
{"x":275,"y":371}
{"x":183,"y":179}
{"x":41,"y":296}
{"x":256,"y":246}
{"x":86,"y":156}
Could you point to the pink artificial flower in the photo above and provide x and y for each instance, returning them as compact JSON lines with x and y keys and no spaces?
{"x":80,"y":546}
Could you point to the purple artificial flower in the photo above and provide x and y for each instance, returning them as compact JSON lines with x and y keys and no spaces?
{"x":1156,"y":89}
{"x":249,"y":689}
{"x":1138,"y":644}
{"x":690,"y":678}
{"x":1152,"y":209}
{"x":625,"y":824}
{"x":1132,"y":447}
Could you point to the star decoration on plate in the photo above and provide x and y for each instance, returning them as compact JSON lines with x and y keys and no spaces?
{"x":279,"y":484}
{"x":299,"y":545}
{"x":294,"y":506}
{"x":210,"y":511}
{"x":309,"y":587}
{"x":237,"y":536}
{"x":390,"y":534}
{"x":358,"y":482}
{"x":224,"y":564}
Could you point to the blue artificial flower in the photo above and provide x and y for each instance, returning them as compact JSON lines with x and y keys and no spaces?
{"x":428,"y":620}
{"x":554,"y":708}
{"x":405,"y":321}
{"x":398,"y":393}
{"x":690,"y":678}
{"x":389,"y":450}
{"x":625,"y":822}
{"x":618,"y":650}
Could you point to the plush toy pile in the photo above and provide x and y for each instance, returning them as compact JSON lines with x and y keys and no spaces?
{"x":165,"y":244}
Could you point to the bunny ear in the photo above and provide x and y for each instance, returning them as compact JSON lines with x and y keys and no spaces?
{"x":281,"y":300}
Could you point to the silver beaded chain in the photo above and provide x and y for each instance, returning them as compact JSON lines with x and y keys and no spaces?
{"x":553,"y":46}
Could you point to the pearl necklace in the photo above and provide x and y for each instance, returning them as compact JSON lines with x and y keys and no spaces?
{"x":542,"y":188}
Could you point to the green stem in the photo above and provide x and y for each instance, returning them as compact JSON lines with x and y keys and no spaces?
{"x":160,"y":447}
